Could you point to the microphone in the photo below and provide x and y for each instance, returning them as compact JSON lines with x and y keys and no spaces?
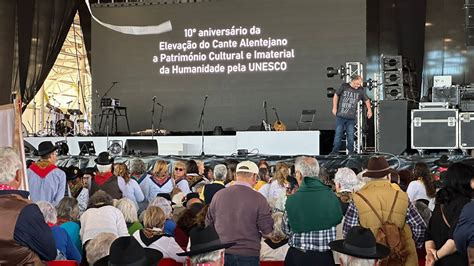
{"x":69,"y":102}
{"x":115,"y":82}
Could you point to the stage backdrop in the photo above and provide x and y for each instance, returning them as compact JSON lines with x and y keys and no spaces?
{"x":239,"y":53}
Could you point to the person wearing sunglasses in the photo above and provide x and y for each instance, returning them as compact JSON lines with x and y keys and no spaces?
{"x":179,"y":176}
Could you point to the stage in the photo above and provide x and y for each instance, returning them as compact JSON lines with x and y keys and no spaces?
{"x":284,"y":143}
{"x":271,"y":146}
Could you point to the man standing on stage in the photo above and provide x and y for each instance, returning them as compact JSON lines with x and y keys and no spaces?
{"x":344,"y":107}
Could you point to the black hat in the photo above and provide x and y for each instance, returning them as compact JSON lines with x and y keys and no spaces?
{"x":46,"y":147}
{"x":104,"y":158}
{"x":443,"y":161}
{"x":126,"y":251}
{"x":72,"y":172}
{"x":192,"y":195}
{"x":204,"y":239}
{"x":360,"y":243}
{"x":166,"y":196}
{"x":89,"y":170}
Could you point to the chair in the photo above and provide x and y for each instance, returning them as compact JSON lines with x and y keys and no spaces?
{"x":272,"y":263}
{"x":306,"y":117}
{"x":62,"y":263}
{"x":169,"y":262}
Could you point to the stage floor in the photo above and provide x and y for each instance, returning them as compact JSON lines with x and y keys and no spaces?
{"x":284,"y":143}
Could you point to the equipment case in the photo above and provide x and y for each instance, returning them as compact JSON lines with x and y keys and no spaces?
{"x":466,"y":130}
{"x":434,"y":129}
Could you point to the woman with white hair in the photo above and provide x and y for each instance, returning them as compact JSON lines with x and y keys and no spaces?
{"x":64,"y":245}
{"x":346,"y":182}
{"x":98,"y":248}
{"x":130,"y":213}
{"x":165,"y":206}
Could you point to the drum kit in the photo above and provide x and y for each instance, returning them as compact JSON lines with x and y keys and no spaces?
{"x":65,"y":124}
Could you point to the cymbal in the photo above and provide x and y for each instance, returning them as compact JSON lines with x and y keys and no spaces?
{"x":53,"y":108}
{"x":74,"y":111}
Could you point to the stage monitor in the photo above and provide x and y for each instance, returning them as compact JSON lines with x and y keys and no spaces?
{"x":86,"y":148}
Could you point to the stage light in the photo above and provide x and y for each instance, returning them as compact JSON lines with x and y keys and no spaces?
{"x":63,"y":148}
{"x":115,"y":147}
{"x":370,"y":84}
{"x":330,"y":92}
{"x":331,"y":71}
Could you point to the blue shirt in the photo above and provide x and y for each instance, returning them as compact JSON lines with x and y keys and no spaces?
{"x":73,"y":229}
{"x":51,"y":188}
{"x":170,"y":226}
{"x":65,"y":245}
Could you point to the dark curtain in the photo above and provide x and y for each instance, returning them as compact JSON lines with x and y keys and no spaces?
{"x":7,"y":40}
{"x":33,"y":35}
{"x":85,"y":18}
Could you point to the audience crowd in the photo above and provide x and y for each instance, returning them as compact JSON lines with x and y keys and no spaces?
{"x":235,"y":213}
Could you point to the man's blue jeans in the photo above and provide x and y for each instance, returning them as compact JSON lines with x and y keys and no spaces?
{"x":347,"y":126}
{"x":239,"y":260}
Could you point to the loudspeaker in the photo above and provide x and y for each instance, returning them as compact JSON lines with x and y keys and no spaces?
{"x":393,"y":126}
{"x":393,"y":92}
{"x":392,"y":62}
{"x":392,"y":77}
{"x":141,"y":147}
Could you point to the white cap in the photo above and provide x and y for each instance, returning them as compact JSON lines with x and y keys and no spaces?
{"x":247,"y":166}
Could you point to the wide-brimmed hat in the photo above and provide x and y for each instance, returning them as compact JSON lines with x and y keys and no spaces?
{"x":104,"y":158}
{"x":46,"y":147}
{"x":360,"y":242}
{"x":377,"y":167}
{"x":443,"y":161}
{"x":203,"y":240}
{"x":72,"y":172}
{"x":126,"y":251}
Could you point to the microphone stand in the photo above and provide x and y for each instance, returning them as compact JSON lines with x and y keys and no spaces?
{"x":113,"y":84}
{"x":161,"y":115}
{"x":201,"y":124}
{"x":153,"y":119}
{"x":100,"y":104}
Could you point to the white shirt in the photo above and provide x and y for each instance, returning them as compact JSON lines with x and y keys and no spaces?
{"x":133,"y":191}
{"x":107,"y":219}
{"x":166,"y":245}
{"x":274,"y":191}
{"x":151,"y":188}
{"x":416,"y":190}
{"x":183,"y":185}
{"x":269,"y":254}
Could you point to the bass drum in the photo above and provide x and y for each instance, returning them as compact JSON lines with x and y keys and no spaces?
{"x":64,"y":127}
